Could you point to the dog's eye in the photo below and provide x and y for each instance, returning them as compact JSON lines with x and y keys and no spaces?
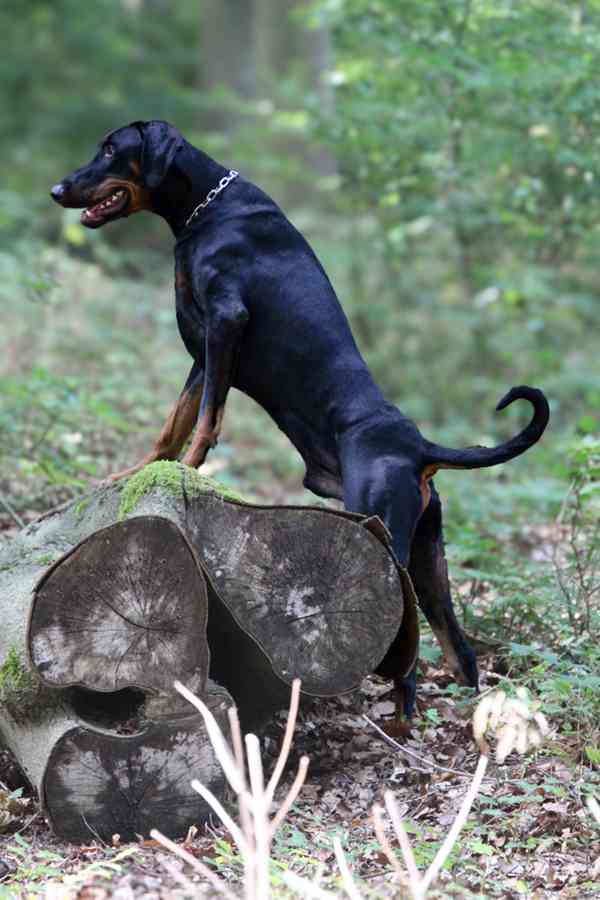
{"x":109,"y":150}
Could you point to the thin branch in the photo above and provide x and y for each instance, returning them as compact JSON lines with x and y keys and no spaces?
{"x":260,"y":811}
{"x":291,"y":795}
{"x":14,"y":516}
{"x":444,"y":851}
{"x":407,"y":853}
{"x":200,"y":867}
{"x":221,"y":748}
{"x":224,"y":816}
{"x":287,"y":740}
{"x":411,"y":753}
{"x":245,"y":817}
{"x":379,"y":826}
{"x":347,"y":880}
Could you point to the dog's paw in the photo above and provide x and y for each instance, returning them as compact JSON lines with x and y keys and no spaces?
{"x":197,"y":453}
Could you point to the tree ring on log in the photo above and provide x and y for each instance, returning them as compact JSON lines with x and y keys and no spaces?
{"x":319,"y":593}
{"x":98,"y":784}
{"x":127,"y":607}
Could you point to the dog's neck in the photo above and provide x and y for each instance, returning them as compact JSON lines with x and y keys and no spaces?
{"x":190,"y":178}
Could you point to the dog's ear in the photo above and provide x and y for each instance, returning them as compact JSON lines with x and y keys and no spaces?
{"x":161,"y":141}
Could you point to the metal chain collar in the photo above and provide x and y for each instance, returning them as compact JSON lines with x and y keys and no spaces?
{"x":227,"y":179}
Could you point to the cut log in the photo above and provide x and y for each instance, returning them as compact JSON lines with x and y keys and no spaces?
{"x":320,"y":596}
{"x":117,"y":619}
{"x":125,"y":608}
{"x":101,"y":783}
{"x":301,"y":592}
{"x":96,"y":782}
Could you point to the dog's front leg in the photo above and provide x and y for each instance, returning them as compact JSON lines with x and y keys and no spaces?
{"x":225,"y":322}
{"x":178,"y":426}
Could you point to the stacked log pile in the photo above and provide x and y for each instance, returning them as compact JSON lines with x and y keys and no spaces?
{"x":109,"y":600}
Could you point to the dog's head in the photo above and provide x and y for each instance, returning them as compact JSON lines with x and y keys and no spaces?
{"x":130,"y":164}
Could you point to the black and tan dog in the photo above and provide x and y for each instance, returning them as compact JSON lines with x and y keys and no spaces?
{"x":257,"y":312}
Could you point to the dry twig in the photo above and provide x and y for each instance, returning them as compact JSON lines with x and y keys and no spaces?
{"x":254,"y":835}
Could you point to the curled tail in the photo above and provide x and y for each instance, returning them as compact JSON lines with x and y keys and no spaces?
{"x":438,"y":457}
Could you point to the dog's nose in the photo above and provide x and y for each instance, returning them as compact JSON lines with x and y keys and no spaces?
{"x":57,"y":192}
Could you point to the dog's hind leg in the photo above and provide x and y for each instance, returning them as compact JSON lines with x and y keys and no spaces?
{"x":429,"y":573}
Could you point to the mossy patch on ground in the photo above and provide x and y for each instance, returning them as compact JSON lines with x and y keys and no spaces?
{"x":173,"y":478}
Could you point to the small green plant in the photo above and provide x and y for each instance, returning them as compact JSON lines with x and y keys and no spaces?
{"x":14,"y":678}
{"x":36,"y":868}
{"x":578,"y":577}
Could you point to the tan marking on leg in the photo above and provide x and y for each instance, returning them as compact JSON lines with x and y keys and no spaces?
{"x":174,"y":433}
{"x":452,"y":660}
{"x":426,"y":476}
{"x":205,"y":437}
{"x":181,"y":281}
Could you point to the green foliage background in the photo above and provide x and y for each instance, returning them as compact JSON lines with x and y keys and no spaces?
{"x":442,"y":157}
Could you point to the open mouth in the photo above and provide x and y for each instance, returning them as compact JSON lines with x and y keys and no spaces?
{"x":111,"y":207}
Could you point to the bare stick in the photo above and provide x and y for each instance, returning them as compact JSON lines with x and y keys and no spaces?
{"x":347,"y":879}
{"x":442,"y":854}
{"x":411,"y":753}
{"x":387,"y":848}
{"x":193,"y":862}
{"x":287,"y":740}
{"x":236,"y":739}
{"x":403,"y":840}
{"x":224,"y":816}
{"x":14,"y":516}
{"x":260,"y":812}
{"x":291,"y":795}
{"x":221,"y":748}
{"x":245,"y":818}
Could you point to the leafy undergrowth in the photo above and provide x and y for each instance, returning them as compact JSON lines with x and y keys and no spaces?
{"x":529,"y":594}
{"x":529,"y":833}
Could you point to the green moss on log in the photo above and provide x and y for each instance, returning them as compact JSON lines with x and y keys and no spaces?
{"x":45,"y":560}
{"x":16,"y":682}
{"x":81,"y":507}
{"x":172,"y":478}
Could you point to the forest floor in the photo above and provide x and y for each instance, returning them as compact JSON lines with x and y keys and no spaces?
{"x":528,"y":835}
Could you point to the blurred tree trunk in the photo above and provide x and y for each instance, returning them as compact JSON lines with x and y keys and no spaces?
{"x":250,"y":46}
{"x":275,"y":38}
{"x":226,"y":54}
{"x":279,"y":42}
